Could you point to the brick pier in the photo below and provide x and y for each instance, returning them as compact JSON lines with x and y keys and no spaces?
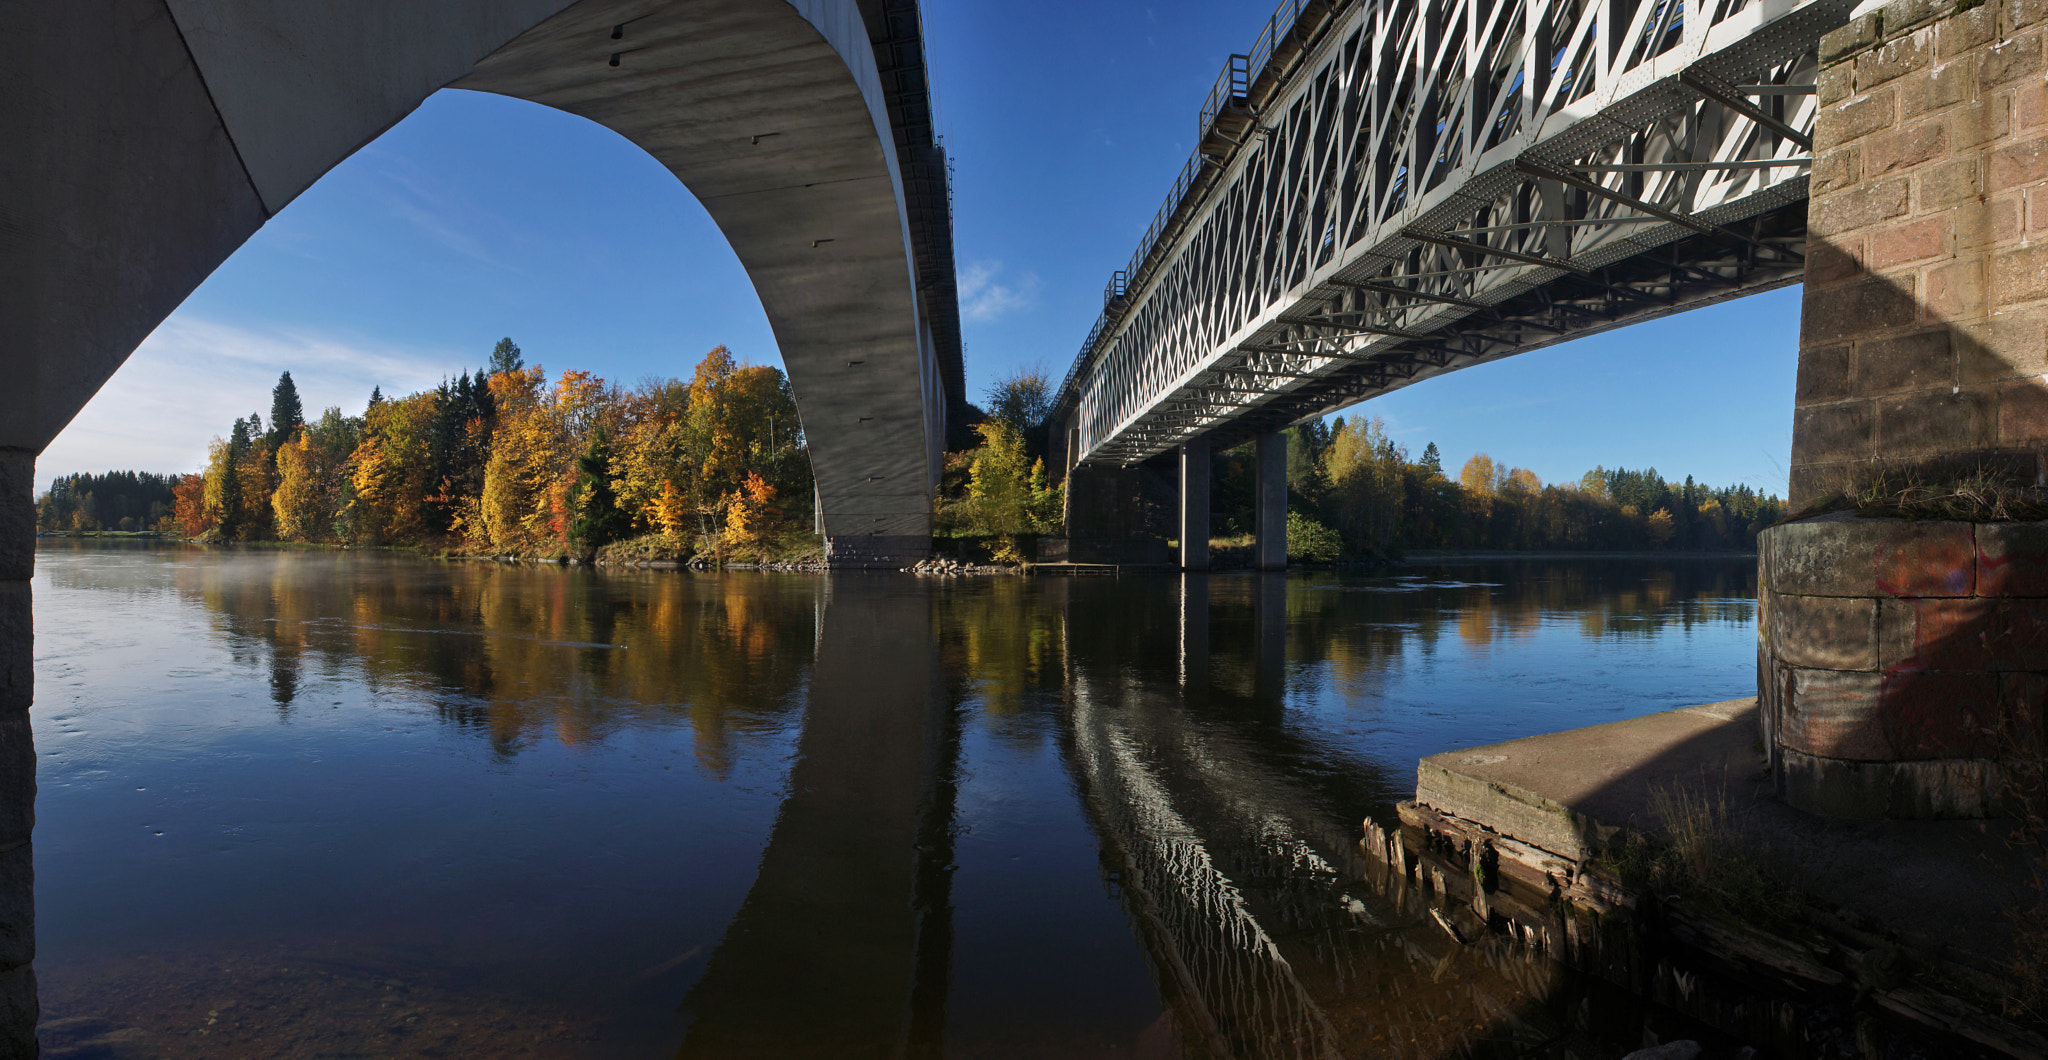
{"x":1900,"y":661}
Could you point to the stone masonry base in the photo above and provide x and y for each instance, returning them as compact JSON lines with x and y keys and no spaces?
{"x":1900,"y":661}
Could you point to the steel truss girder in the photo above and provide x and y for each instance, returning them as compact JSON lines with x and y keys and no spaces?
{"x":1428,"y":178}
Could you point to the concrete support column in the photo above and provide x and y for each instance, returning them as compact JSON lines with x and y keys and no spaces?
{"x":18,"y":1008}
{"x":876,"y":552}
{"x":1194,"y":505}
{"x":1270,"y":518}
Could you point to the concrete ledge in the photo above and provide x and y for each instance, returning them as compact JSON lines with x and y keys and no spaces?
{"x":1567,"y":792}
{"x":1549,"y":802}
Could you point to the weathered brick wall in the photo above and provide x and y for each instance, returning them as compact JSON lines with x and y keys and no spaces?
{"x":1926,"y":305}
{"x":1901,"y":661}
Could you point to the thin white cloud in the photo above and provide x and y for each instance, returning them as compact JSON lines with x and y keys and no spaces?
{"x":983,"y":298}
{"x":191,"y":378}
{"x":441,"y":213}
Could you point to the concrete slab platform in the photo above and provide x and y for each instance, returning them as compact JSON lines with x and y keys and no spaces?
{"x":1947,"y":886}
{"x":1568,"y":791}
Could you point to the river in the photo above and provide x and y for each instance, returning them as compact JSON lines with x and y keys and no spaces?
{"x":338,"y":804}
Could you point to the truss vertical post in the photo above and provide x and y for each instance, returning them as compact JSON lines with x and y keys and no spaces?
{"x":1270,"y":519}
{"x":1194,"y":504}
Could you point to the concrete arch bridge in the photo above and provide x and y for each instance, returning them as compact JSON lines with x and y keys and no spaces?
{"x":1389,"y":190}
{"x":148,"y":139}
{"x":804,"y":128}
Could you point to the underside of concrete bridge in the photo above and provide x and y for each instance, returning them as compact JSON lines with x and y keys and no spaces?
{"x":148,"y":140}
{"x":804,"y":129}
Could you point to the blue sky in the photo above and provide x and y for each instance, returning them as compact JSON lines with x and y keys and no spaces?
{"x":479,"y":217}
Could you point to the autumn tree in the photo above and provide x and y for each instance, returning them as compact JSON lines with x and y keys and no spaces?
{"x":393,"y":473}
{"x":751,"y":515}
{"x":191,"y":512}
{"x":1365,"y":500}
{"x":1480,"y":476}
{"x":999,"y":485}
{"x":513,"y":509}
{"x":239,"y":477}
{"x":314,"y":480}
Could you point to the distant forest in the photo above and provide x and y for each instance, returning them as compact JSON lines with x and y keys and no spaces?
{"x":1354,"y":492}
{"x":117,"y":500}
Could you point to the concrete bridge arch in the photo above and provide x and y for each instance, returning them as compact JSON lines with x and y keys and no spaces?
{"x":159,"y":137}
{"x":148,"y":139}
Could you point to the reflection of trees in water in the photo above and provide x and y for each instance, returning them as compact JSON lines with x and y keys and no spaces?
{"x":512,"y":653}
{"x":1001,"y":644}
{"x":1355,"y":633}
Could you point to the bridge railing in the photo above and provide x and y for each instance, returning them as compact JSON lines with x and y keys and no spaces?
{"x":1232,"y":88}
{"x":1232,"y":85}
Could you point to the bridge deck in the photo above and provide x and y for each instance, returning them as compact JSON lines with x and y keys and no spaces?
{"x":1387,"y":190}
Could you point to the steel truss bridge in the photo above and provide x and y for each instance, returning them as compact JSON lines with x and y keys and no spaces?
{"x":1388,"y":190}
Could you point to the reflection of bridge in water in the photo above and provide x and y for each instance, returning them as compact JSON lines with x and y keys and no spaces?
{"x":1233,"y":840}
{"x":1229,"y":834}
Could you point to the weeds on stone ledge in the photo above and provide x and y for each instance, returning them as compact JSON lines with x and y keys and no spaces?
{"x":1976,"y":494}
{"x":1707,"y":856}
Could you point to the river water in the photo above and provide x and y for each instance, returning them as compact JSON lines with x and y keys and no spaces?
{"x":346,"y":804}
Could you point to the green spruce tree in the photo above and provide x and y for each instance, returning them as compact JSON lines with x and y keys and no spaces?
{"x":287,"y":417}
{"x":1432,"y":460}
{"x":505,"y":357}
{"x":599,"y":521}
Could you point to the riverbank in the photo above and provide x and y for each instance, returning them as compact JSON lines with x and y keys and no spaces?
{"x":1420,"y":556}
{"x":1654,"y":853}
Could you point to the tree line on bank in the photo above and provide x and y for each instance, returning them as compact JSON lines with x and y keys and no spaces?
{"x":116,"y":500}
{"x":1353,"y":491}
{"x":503,"y":461}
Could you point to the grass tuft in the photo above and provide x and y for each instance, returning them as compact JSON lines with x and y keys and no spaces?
{"x":1707,"y":856}
{"x":1979,"y":494}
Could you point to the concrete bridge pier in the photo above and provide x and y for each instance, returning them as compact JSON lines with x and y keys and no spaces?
{"x":1903,"y":662}
{"x":1194,"y":505}
{"x":1121,"y":515}
{"x":18,"y":1008}
{"x":1270,"y":516}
